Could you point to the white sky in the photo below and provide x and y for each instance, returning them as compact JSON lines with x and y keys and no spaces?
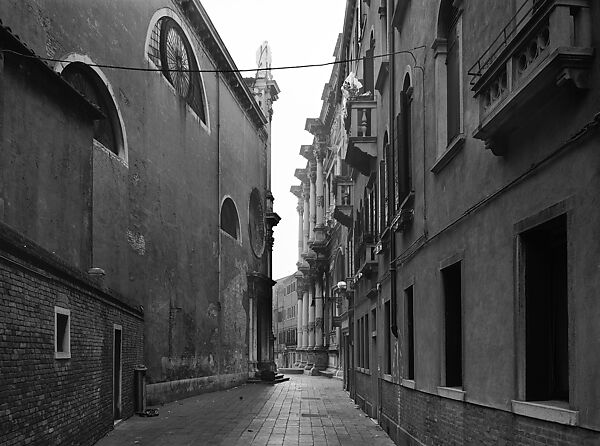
{"x":299,"y":32}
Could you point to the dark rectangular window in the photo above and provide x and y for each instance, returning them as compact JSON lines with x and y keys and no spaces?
{"x":366,"y":340}
{"x":546,"y":311}
{"x":451,"y":277}
{"x":410,"y":332}
{"x":359,"y":344}
{"x":62,"y":321}
{"x":388,"y":338}
{"x":403,"y":152}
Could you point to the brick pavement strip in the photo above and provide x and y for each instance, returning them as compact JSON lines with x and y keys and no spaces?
{"x":306,"y":410}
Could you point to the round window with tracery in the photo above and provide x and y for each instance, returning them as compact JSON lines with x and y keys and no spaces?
{"x":170,"y":50}
{"x":176,"y":57}
{"x":257,"y":224}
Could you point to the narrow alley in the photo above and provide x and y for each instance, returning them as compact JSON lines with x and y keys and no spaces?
{"x":304,"y":411}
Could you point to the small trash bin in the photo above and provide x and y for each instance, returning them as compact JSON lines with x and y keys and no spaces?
{"x":139,"y":376}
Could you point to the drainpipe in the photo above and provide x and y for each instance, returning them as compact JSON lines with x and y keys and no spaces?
{"x":392,"y":122}
{"x":219,"y":265}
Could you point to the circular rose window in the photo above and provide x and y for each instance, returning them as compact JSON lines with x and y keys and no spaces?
{"x":257,"y":224}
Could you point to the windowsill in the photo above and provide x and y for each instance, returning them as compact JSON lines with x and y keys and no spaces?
{"x":62,"y":355}
{"x":229,"y":236}
{"x":98,"y":145}
{"x":547,"y":410}
{"x":453,"y":148}
{"x":388,"y":378}
{"x":408,"y":383}
{"x":453,"y":393}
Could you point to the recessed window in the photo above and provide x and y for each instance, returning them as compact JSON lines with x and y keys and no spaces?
{"x":404,"y":155}
{"x":387,"y":364}
{"x":451,"y":278}
{"x":546,"y":311}
{"x":170,"y":50}
{"x":410,"y":332}
{"x":448,"y":64}
{"x":84,"y":79}
{"x":230,"y":223}
{"x":62,"y":333}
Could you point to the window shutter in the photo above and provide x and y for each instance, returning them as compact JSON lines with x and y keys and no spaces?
{"x":405,"y":180}
{"x":389,"y":184}
{"x":398,"y":161}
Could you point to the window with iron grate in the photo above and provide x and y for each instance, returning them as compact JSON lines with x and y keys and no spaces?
{"x":170,"y":50}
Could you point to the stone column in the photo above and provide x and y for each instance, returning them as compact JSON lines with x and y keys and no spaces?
{"x":305,"y":305}
{"x":300,"y":209}
{"x":299,"y":310}
{"x":318,"y":313}
{"x":319,"y":190}
{"x":311,"y":317}
{"x":306,"y":217}
{"x":313,"y":204}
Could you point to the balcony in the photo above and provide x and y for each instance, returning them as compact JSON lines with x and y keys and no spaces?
{"x":545,"y":46}
{"x":366,"y":256}
{"x":361,"y":122}
{"x":342,"y":211}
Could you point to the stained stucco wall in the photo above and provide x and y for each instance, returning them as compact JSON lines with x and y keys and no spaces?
{"x":156,"y":216}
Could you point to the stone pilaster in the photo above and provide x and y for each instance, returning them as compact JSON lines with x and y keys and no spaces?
{"x":305,"y":305}
{"x":320,"y":192}
{"x":300,"y":209}
{"x":312,"y":203}
{"x":318,"y":314}
{"x":311,"y":317}
{"x":306,"y":217}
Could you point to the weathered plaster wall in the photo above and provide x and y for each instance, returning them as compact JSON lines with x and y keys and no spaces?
{"x":156,"y":218}
{"x":45,"y":179}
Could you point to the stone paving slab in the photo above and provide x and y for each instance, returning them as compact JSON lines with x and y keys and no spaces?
{"x":306,"y":410}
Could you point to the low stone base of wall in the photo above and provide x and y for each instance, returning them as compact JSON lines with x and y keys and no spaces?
{"x":175,"y":390}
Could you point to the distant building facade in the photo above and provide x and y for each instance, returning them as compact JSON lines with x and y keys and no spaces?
{"x":285,"y":307}
{"x":156,"y":183}
{"x":463,"y":208}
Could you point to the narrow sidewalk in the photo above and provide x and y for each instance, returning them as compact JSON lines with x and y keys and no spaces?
{"x":303,"y":411}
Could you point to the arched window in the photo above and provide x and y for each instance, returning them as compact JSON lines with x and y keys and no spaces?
{"x":387,"y":194}
{"x":85,"y":80}
{"x":170,"y":50}
{"x":230,"y":222}
{"x":404,"y":152}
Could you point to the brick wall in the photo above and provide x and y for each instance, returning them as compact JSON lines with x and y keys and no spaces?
{"x":51,"y":401}
{"x":433,"y":420}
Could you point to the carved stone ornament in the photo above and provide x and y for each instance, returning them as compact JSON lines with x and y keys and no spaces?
{"x":257,"y":228}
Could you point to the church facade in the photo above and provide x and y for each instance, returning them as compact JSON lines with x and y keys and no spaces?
{"x":160,"y":180}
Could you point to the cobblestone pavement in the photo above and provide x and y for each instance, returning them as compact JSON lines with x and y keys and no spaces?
{"x":303,"y":411}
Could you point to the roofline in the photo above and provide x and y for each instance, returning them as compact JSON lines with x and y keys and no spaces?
{"x":225,"y":62}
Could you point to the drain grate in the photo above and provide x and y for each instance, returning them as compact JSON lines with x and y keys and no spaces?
{"x":314,"y":415}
